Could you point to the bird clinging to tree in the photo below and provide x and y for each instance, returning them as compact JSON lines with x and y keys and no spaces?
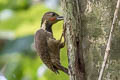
{"x":47,"y":47}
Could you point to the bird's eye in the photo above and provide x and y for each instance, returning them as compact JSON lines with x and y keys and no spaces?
{"x":53,"y":14}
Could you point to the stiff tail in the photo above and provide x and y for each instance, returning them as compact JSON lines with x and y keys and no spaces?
{"x":63,"y":69}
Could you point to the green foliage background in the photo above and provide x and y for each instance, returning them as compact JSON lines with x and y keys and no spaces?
{"x":24,"y":22}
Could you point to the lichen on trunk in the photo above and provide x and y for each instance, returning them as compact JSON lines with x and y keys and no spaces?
{"x":73,"y":37}
{"x":87,"y":24}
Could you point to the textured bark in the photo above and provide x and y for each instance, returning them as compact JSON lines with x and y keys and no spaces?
{"x":87,"y":25}
{"x":73,"y":37}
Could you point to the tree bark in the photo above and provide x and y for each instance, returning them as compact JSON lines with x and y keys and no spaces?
{"x":87,"y":25}
{"x":73,"y":38}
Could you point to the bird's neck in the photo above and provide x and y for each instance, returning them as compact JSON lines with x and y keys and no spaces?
{"x":46,"y":26}
{"x":49,"y":28}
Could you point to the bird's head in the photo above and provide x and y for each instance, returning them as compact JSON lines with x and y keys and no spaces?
{"x":51,"y":18}
{"x":48,"y":19}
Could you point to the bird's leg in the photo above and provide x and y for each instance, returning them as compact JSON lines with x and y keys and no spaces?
{"x":61,"y":37}
{"x":59,"y":41}
{"x":63,"y":34}
{"x":62,"y":44}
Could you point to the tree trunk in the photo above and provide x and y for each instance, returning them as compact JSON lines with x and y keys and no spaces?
{"x":87,"y":24}
{"x":73,"y":37}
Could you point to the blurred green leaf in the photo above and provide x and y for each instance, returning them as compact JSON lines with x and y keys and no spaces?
{"x":19,"y":45}
{"x":15,"y":4}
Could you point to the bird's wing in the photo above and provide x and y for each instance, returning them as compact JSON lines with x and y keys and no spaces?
{"x":41,"y":44}
{"x":54,"y":48}
{"x":42,"y":49}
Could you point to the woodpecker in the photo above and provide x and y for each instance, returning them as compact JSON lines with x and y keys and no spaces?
{"x":47,"y":47}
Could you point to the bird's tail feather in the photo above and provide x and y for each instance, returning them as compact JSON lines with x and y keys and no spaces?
{"x":62,"y":69}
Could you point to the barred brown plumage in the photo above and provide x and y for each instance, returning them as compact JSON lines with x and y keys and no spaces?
{"x":47,"y":47}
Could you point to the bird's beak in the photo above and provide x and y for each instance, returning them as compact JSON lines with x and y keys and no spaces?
{"x":60,"y":18}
